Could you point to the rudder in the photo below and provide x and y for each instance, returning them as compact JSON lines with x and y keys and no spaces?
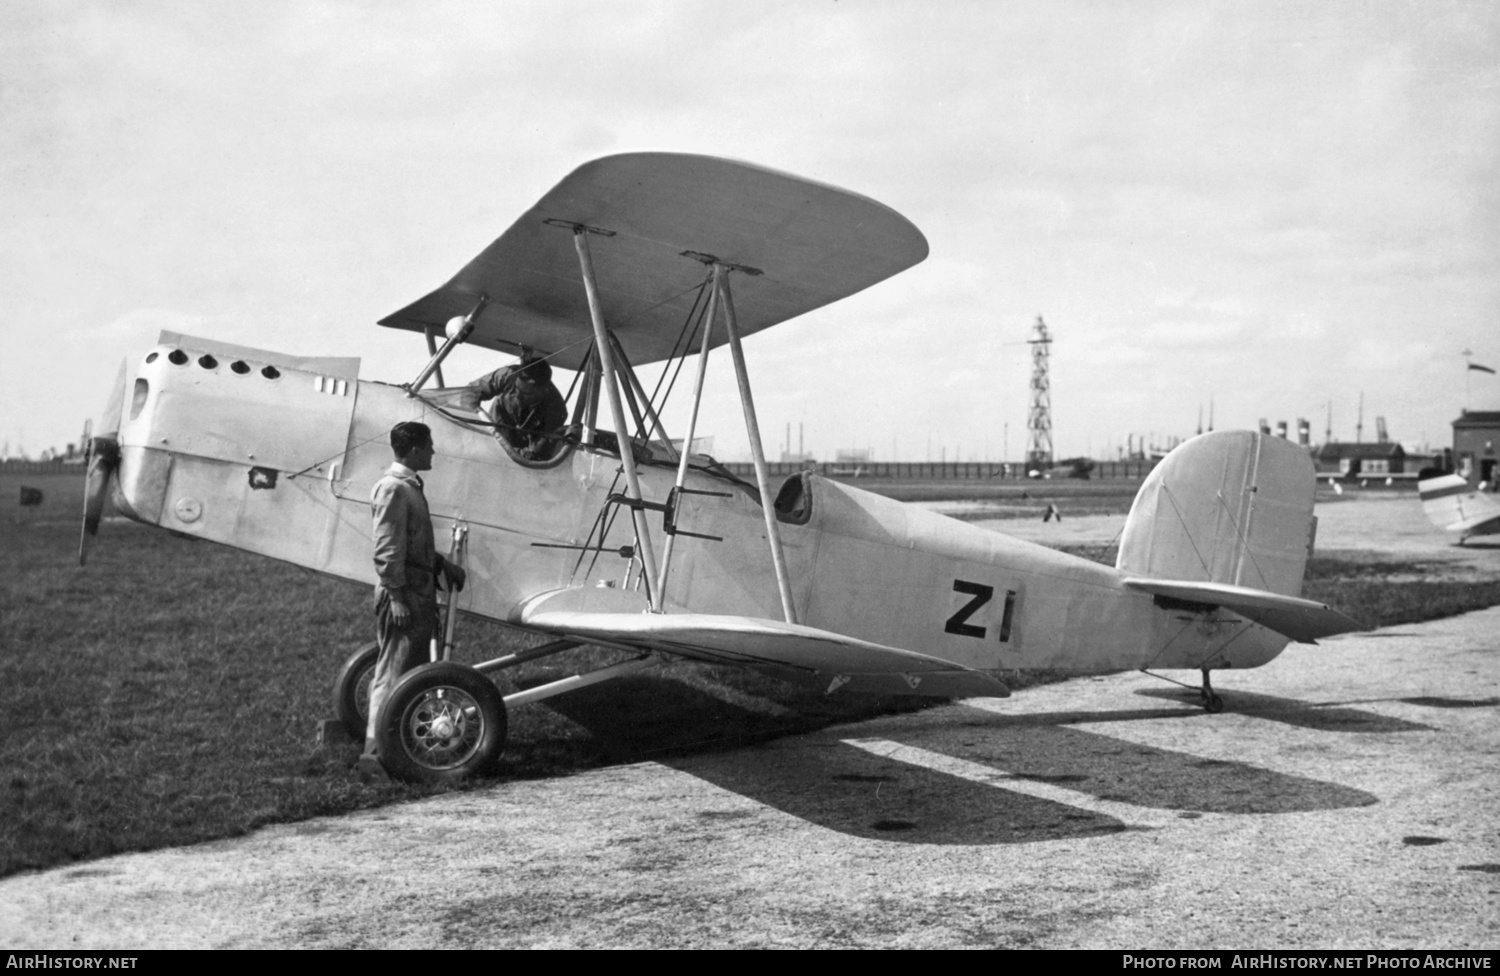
{"x":1231,"y":507}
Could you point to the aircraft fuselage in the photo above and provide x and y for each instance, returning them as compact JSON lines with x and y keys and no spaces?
{"x":277,"y":455}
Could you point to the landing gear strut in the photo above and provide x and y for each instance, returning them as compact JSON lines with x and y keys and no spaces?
{"x":445,"y":721}
{"x":1211,"y":702}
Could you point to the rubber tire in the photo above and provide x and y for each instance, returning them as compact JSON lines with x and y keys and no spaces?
{"x":349,"y":706}
{"x":104,"y":458}
{"x":482,"y":724}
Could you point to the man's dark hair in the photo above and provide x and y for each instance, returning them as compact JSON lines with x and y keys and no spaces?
{"x":535,"y":369}
{"x":409,"y":434}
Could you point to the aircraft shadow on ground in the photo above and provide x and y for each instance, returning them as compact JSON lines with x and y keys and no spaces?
{"x":1323,"y":717}
{"x":825,"y":782}
{"x":1426,"y":701}
{"x":678,"y":720}
{"x":1046,"y":748}
{"x":854,"y":791}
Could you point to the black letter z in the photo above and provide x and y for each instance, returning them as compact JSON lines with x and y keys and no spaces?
{"x":981,"y":595}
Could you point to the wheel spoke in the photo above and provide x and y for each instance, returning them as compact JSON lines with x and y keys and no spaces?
{"x":442,"y":723}
{"x":442,"y":728}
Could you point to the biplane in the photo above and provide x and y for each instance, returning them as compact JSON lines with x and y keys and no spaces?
{"x":616,"y":535}
{"x":1454,"y":505}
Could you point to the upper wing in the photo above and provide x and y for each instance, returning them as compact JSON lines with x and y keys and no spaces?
{"x":811,"y":243}
{"x":1454,"y":505}
{"x":1302,"y":620}
{"x":834,"y":659}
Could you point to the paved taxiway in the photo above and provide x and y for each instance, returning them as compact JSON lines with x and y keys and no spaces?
{"x":1347,"y":798}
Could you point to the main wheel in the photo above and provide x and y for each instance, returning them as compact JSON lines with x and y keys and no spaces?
{"x":441,"y":723}
{"x":104,"y":458}
{"x":351,"y":691}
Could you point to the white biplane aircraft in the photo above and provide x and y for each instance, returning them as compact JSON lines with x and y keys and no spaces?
{"x":615,"y":537}
{"x":1454,"y":505}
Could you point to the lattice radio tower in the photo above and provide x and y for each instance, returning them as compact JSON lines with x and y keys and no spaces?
{"x":1039,"y":422}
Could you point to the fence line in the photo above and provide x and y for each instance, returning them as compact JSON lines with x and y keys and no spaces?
{"x":42,"y":467}
{"x":932,"y":470}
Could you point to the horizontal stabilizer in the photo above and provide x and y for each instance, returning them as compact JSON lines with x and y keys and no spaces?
{"x":754,"y":641}
{"x":1304,"y":621}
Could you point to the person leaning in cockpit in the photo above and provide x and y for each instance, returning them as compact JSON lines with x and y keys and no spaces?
{"x":527,"y":407}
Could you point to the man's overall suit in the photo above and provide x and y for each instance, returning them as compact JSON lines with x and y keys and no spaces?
{"x":407,"y":563}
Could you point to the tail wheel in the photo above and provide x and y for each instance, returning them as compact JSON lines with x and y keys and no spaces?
{"x":351,"y":690}
{"x":442,"y":723}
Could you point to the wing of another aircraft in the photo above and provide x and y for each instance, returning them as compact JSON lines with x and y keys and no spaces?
{"x":753,"y":641}
{"x":1456,"y":506}
{"x":803,"y":244}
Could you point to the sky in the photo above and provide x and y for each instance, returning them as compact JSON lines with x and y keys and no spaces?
{"x":1276,"y":208}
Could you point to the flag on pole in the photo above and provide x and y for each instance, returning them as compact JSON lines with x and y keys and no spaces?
{"x":1482,"y":369}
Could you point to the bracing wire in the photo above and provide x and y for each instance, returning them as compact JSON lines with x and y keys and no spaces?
{"x":681,"y":360}
{"x":599,"y":520}
{"x":578,"y":374}
{"x":695,"y":320}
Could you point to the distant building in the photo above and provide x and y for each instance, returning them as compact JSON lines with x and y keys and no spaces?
{"x":1419,"y":460}
{"x":701,"y":445}
{"x":1475,"y":433}
{"x":851,"y":462}
{"x":1361,"y":460}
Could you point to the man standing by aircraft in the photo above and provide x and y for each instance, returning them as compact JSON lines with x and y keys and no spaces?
{"x":406,"y":566}
{"x":528,"y":407}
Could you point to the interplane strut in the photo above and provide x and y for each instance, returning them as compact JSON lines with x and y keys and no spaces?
{"x":611,"y":381}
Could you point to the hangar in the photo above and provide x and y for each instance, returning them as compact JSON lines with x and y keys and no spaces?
{"x":1378,"y":459}
{"x":1474,"y":435}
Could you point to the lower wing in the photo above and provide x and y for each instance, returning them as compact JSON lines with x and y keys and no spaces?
{"x":774,"y":646}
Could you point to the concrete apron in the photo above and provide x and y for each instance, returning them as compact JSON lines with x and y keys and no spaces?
{"x":1345,"y":798}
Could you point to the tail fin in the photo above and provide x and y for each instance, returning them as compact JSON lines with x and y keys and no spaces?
{"x":1231,"y":507}
{"x":1454,"y":504}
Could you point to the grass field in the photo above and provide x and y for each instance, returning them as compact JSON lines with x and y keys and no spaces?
{"x":170,"y":691}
